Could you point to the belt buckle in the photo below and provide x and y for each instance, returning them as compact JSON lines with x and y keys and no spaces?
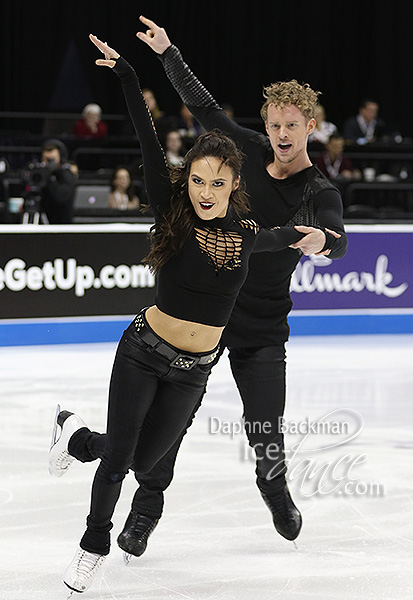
{"x":182,"y":361}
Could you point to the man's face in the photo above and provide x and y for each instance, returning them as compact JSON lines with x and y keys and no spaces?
{"x":48,"y":155}
{"x":92,"y":118}
{"x":288,"y":131}
{"x":369,"y":111}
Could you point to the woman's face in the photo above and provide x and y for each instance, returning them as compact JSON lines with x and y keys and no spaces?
{"x":173,"y":142}
{"x":149,"y":99}
{"x":209,"y":186}
{"x":122,"y":180}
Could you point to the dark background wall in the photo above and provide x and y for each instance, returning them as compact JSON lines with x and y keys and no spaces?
{"x":345,"y":49}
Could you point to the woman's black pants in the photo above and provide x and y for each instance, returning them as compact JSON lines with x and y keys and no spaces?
{"x":150,"y":404}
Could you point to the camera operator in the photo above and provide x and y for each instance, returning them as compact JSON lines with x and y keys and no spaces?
{"x":57,"y":196}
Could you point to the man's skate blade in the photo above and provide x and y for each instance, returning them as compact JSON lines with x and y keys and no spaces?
{"x":54,"y":434}
{"x":127,"y":558}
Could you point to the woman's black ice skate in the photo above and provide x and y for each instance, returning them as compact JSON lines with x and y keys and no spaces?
{"x":134,"y":537}
{"x":287,"y":518}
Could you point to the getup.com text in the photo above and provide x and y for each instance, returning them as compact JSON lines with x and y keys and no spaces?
{"x":67,"y":274}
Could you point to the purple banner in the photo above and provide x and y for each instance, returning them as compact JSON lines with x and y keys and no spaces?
{"x":376,"y":273}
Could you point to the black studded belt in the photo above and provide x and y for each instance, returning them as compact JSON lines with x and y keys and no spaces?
{"x":177,"y":359}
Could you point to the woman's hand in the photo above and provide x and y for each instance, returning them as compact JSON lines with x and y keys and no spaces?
{"x":155,"y":37}
{"x":109,"y":53}
{"x":313,"y":241}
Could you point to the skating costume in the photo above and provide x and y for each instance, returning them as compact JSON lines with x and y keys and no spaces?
{"x":155,"y":387}
{"x":258,"y":328}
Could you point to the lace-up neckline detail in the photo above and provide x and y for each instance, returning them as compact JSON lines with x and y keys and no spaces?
{"x":223,"y":248}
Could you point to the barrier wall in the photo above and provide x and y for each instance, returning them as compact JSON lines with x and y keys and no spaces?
{"x":81,"y":283}
{"x":369,"y":290}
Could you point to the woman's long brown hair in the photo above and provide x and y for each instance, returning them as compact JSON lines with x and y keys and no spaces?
{"x":170,"y":233}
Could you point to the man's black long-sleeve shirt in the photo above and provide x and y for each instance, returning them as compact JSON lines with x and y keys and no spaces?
{"x":259,"y":316}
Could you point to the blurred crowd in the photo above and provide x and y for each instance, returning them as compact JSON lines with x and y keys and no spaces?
{"x":52,"y":183}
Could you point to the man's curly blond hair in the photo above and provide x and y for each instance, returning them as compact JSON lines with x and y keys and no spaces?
{"x":285,"y":93}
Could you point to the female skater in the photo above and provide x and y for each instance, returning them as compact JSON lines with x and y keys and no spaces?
{"x":200,"y":250}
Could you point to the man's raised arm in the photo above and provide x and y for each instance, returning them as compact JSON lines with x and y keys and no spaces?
{"x":197,"y":98}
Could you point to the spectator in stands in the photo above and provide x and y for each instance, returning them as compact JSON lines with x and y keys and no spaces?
{"x":152,"y":104}
{"x":366,"y":126}
{"x":188,"y":127}
{"x":162,"y":122}
{"x":323,"y":129}
{"x":174,"y":148}
{"x":332,"y":162}
{"x":91,"y":127}
{"x":122,"y":195}
{"x":57,"y":196}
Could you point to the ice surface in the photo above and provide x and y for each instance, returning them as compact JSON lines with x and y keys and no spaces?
{"x":216,"y":539}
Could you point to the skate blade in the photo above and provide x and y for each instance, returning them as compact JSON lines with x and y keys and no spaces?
{"x":54,"y":434}
{"x":127,"y":558}
{"x":295,"y":545}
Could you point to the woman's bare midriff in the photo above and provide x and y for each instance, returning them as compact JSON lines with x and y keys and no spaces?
{"x":185,"y":335}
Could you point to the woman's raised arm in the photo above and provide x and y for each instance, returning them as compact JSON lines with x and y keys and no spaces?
{"x":156,"y":172}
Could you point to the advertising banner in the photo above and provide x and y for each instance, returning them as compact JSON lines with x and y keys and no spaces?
{"x":376,"y":273}
{"x":50,"y":271}
{"x":69,"y":283}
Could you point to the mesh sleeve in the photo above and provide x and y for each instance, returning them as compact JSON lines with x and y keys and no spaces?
{"x":329,"y":210}
{"x":197,"y":98}
{"x":190,"y":89}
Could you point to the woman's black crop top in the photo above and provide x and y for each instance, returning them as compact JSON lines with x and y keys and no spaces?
{"x":201,"y":282}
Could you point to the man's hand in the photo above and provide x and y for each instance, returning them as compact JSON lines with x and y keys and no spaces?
{"x":314,"y":240}
{"x":155,"y":36}
{"x":109,"y":53}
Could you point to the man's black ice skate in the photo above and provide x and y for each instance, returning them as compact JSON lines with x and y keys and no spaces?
{"x":286,"y":516}
{"x":134,"y":537}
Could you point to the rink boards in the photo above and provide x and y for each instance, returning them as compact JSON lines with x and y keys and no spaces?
{"x":82,"y":283}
